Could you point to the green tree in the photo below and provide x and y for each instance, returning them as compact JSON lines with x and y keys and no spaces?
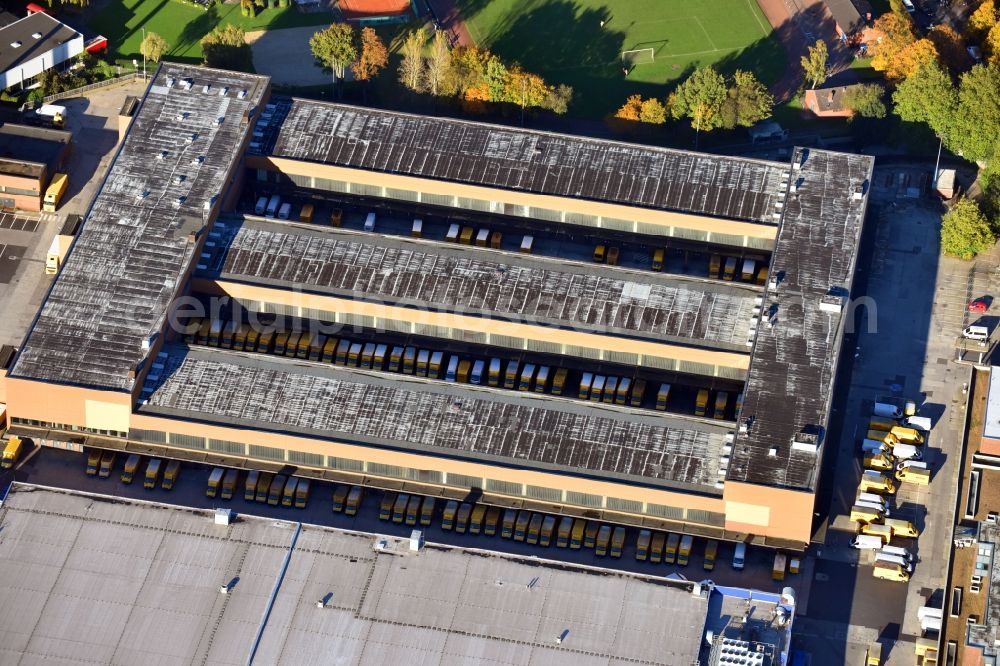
{"x":559,"y":98}
{"x":496,"y":79}
{"x":335,"y":47}
{"x":866,"y":100}
{"x":411,"y":68}
{"x":700,"y":97}
{"x":226,"y":48}
{"x":965,"y":231}
{"x":374,"y":56}
{"x":748,"y":101}
{"x":975,"y":132}
{"x":814,"y":64}
{"x":652,"y":111}
{"x":439,"y":68}
{"x":927,"y":96}
{"x":153,"y":47}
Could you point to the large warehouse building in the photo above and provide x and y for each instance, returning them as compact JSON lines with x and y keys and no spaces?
{"x":673,"y":320}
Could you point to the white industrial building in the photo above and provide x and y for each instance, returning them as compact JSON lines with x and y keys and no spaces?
{"x":34,"y":44}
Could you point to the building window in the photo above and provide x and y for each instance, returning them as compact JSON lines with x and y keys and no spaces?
{"x":626,"y":506}
{"x":402,"y":195}
{"x":154,"y":436}
{"x":584,"y":499}
{"x":663,"y":511}
{"x":504,"y":487}
{"x":706,"y":517}
{"x":463,"y":481}
{"x":542,"y":493}
{"x":379,"y":469}
{"x":345,"y":464}
{"x":438,"y":199}
{"x":266,"y":452}
{"x":303,"y":458}
{"x":223,"y":446}
{"x":187,"y":441}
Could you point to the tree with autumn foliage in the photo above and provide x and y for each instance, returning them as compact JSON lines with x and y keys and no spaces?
{"x":982,"y":21}
{"x":630,"y":109}
{"x":991,"y":45}
{"x":895,"y":33}
{"x":651,"y":111}
{"x":373,"y":56}
{"x":950,"y":48}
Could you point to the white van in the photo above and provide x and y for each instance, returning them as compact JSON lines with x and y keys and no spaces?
{"x":907,"y":452}
{"x":873,"y":505}
{"x":284,"y":211}
{"x":740,"y":556}
{"x":272,"y":205}
{"x":894,"y":559}
{"x":261,"y":206}
{"x":909,"y":6}
{"x":370,"y":222}
{"x":886,"y":410}
{"x":872,"y":498}
{"x":897,"y":551}
{"x":867,"y":542}
{"x":874,"y":447}
{"x":975,"y":332}
{"x":922,"y":423}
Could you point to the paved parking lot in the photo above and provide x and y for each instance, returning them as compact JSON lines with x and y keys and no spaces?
{"x":902,"y":347}
{"x":64,"y":469}
{"x":18,"y":222}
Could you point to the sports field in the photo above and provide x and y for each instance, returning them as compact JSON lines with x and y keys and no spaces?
{"x":565,"y":42}
{"x":183,"y":25}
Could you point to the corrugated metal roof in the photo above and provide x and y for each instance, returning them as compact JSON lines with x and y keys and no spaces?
{"x":530,"y":161}
{"x":133,"y":249}
{"x":454,"y":419}
{"x":472,"y":281}
{"x":794,"y":361}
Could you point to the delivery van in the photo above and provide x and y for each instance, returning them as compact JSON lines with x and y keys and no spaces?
{"x":907,"y":435}
{"x":276,"y":490}
{"x":656,"y":547}
{"x":670,"y":551}
{"x":534,"y":528}
{"x":93,"y":461}
{"x":915,"y":472}
{"x":507,"y":524}
{"x":898,"y":551}
{"x":339,"y":498}
{"x":131,"y":465}
{"x":577,"y":535}
{"x":272,"y":206}
{"x":887,"y":571}
{"x":874,"y":447}
{"x":880,"y":461}
{"x":872,"y":505}
{"x":354,"y":500}
{"x":874,"y":499}
{"x":882,"y":531}
{"x":921,"y":423}
{"x":170,"y":474}
{"x":740,"y":556}
{"x":778,"y":569}
{"x":413,"y":510}
{"x":865,"y":513}
{"x":288,"y":495}
{"x":564,"y":532}
{"x":711,"y":551}
{"x":867,"y":542}
{"x":880,"y":423}
{"x":887,"y":410}
{"x":902,"y":528}
{"x":385,"y":509}
{"x":107,"y":464}
{"x":427,"y":510}
{"x":261,"y":206}
{"x":618,"y":535}
{"x":642,"y":545}
{"x":152,"y":473}
{"x":603,"y":540}
{"x":214,"y":482}
{"x":399,"y":508}
{"x":590,"y":533}
{"x":476,"y":519}
{"x":229,"y":482}
{"x":684,"y":550}
{"x":903,"y":452}
{"x":250,"y":487}
{"x":548,"y":527}
{"x":885,"y":558}
{"x":491,"y":521}
{"x":875,"y":482}
{"x":521,"y":525}
{"x":264,"y":486}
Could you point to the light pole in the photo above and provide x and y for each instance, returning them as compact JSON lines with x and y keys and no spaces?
{"x":142,"y":47}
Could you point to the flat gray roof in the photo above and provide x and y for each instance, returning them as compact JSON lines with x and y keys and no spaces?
{"x":530,"y":161}
{"x":32,"y":145}
{"x":991,"y":424}
{"x":410,"y":413}
{"x":794,"y":361}
{"x":133,"y":251}
{"x":51,"y":33}
{"x":96,"y":579}
{"x":470,"y":280}
{"x":986,"y":632}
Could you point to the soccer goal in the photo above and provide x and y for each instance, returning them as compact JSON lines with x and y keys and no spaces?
{"x":638,"y":57}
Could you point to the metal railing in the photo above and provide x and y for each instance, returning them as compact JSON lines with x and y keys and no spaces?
{"x":76,"y":92}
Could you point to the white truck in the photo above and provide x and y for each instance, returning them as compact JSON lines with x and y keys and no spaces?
{"x":887,"y":410}
{"x":54,"y":113}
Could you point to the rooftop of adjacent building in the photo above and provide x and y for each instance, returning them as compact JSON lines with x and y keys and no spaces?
{"x":97,"y":579}
{"x":26,"y":150}
{"x":31,"y":37}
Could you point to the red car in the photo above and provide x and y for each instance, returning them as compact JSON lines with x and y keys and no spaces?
{"x":981,"y":304}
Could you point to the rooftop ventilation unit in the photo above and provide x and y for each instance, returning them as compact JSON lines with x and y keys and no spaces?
{"x":241,"y":94}
{"x":170,"y":81}
{"x":859,"y":192}
{"x":807,"y":442}
{"x":223,"y":91}
{"x":197,"y":160}
{"x":832,"y":303}
{"x":162,"y":155}
{"x":15,"y":45}
{"x":207,"y":88}
{"x":36,"y":35}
